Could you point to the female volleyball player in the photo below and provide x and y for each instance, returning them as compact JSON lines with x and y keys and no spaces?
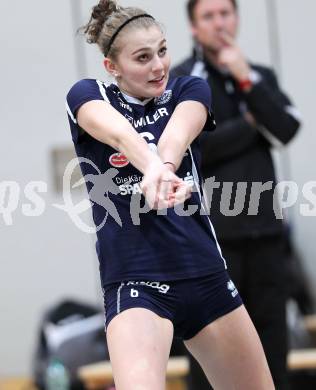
{"x":161,"y":267}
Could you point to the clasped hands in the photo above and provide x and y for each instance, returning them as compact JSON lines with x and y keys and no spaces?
{"x":162,"y":188}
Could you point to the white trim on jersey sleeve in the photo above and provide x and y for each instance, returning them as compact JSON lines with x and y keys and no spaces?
{"x":197,"y":184}
{"x":70,"y":113}
{"x":102,"y":90}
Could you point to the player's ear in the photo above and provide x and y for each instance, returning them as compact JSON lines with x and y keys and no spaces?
{"x":110,"y":66}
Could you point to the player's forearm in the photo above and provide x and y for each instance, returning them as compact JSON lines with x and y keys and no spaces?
{"x":184,"y":126}
{"x":108,"y":126}
{"x":126,"y":140}
{"x":172,"y":150}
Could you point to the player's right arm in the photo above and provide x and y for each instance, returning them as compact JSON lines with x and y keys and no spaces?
{"x":104,"y":123}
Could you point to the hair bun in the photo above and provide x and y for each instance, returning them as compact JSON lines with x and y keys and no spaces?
{"x":100,"y":13}
{"x":106,"y":21}
{"x":104,"y":9}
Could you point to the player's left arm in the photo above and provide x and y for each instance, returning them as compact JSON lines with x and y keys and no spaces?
{"x":185,"y":124}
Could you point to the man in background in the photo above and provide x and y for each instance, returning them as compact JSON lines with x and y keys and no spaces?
{"x":252,"y":116}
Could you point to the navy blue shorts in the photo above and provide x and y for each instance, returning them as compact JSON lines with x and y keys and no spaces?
{"x":190,"y":304}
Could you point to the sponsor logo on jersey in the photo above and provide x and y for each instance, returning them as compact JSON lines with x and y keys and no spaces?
{"x":231,"y":287}
{"x":128,"y":179}
{"x":129,"y":118}
{"x":148,"y":119}
{"x":126,"y":107}
{"x":130,"y":185}
{"x":118,"y":160}
{"x":164,"y":98}
{"x":130,"y":189}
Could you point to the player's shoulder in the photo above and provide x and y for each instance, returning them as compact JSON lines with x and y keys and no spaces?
{"x":180,"y":82}
{"x":85,"y":85}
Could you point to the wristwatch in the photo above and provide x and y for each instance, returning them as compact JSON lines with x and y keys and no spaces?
{"x":253,"y":79}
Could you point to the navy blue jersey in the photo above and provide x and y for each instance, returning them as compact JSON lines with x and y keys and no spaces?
{"x":136,"y":245}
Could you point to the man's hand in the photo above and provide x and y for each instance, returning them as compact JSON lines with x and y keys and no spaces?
{"x":232,"y":58}
{"x":250,"y":119}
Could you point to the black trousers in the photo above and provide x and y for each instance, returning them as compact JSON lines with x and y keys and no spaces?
{"x":258,"y":268}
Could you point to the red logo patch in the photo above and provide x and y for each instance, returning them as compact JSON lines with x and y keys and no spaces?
{"x":118,"y":160}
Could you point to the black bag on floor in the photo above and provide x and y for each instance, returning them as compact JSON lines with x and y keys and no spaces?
{"x":73,"y":333}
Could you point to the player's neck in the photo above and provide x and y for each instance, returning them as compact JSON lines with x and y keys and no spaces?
{"x":134,"y":99}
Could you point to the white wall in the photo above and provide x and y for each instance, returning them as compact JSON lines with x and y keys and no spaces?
{"x":46,"y":258}
{"x":298,"y":63}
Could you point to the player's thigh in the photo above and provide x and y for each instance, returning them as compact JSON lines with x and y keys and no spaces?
{"x":139,"y":344}
{"x":230,"y":353}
